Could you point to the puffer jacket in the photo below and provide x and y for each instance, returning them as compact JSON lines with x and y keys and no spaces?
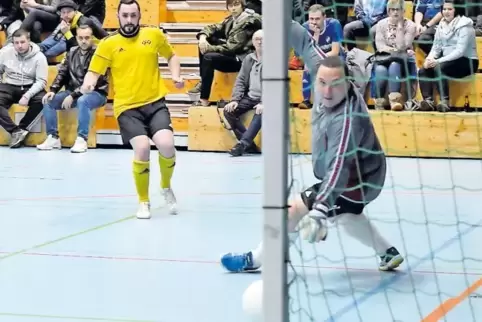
{"x":233,"y":36}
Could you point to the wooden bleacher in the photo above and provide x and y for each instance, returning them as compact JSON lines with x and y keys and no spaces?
{"x":200,"y":129}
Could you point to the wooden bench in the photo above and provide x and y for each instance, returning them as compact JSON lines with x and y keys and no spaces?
{"x":224,"y":82}
{"x":67,"y":126}
{"x":408,"y":134}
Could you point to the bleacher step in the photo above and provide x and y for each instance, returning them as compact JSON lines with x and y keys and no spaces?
{"x":197,"y":5}
{"x":182,"y":26}
{"x":183,"y":60}
{"x":182,"y":37}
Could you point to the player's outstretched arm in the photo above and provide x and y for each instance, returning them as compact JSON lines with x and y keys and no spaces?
{"x":175,"y":67}
{"x":89,"y":83}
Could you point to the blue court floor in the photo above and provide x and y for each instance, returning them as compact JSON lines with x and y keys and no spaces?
{"x":71,"y":249}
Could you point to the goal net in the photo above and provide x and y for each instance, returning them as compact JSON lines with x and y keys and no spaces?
{"x":428,"y":208}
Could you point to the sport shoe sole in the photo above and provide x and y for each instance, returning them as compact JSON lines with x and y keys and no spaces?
{"x":393,"y":263}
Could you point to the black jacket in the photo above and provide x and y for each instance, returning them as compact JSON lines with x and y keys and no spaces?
{"x":11,"y":11}
{"x":92,"y":8}
{"x":72,"y":73}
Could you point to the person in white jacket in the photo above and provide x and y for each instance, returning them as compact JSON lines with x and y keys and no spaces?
{"x":453,"y":55}
{"x":24,"y":69}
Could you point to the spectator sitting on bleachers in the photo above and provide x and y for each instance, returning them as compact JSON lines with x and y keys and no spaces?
{"x":93,"y":9}
{"x":71,"y":75}
{"x":328,"y":34}
{"x":368,"y":13}
{"x":427,"y":16}
{"x":394,"y":40}
{"x":223,"y":46}
{"x":24,"y":70}
{"x":246,"y":97}
{"x":63,"y":38}
{"x":473,"y":10}
{"x":11,"y":17}
{"x":40,"y":18}
{"x":453,"y":55}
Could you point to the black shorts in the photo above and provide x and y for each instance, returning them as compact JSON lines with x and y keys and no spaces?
{"x":144,"y":120}
{"x":341,"y":206}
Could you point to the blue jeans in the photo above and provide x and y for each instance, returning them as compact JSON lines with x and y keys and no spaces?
{"x":388,"y":74}
{"x":86,"y":104}
{"x":52,"y":47}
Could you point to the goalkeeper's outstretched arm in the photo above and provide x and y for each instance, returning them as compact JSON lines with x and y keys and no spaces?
{"x":302,"y":43}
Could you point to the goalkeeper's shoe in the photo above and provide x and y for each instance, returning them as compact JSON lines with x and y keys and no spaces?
{"x":238,"y":263}
{"x":390,"y":260}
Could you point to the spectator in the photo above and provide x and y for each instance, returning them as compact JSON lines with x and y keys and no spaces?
{"x":24,"y":69}
{"x":246,"y":97}
{"x":11,"y":17}
{"x":71,"y":75}
{"x":427,"y":16}
{"x":223,"y":46}
{"x":328,"y":34}
{"x":473,"y":10}
{"x":63,"y":38}
{"x":93,"y":9}
{"x":368,"y":13}
{"x":255,"y":5}
{"x":394,"y":41}
{"x":40,"y":18}
{"x":453,"y":55}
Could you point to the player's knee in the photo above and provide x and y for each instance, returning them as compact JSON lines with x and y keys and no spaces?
{"x":164,"y":141}
{"x":142,"y":147}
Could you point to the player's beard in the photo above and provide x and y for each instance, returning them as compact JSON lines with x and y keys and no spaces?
{"x":129,"y":30}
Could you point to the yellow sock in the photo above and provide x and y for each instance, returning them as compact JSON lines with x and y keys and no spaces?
{"x":141,"y":178}
{"x":167,"y":168}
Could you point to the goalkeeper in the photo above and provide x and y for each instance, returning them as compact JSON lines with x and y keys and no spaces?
{"x":347,"y":159}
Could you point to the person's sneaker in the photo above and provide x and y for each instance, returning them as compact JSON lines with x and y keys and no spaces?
{"x":144,"y":211}
{"x":80,"y":146}
{"x":50,"y":143}
{"x":18,"y":137}
{"x":238,"y":150}
{"x":170,"y":199}
{"x":443,"y":107}
{"x":237,"y":263}
{"x":426,"y":106}
{"x":390,"y":260}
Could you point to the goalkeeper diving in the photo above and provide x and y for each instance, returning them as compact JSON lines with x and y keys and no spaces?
{"x":347,"y":159}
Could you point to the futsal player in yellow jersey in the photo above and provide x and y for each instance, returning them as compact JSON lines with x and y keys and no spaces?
{"x":131,"y":54}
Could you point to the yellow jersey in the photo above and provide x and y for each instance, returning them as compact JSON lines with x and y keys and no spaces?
{"x":134,"y":67}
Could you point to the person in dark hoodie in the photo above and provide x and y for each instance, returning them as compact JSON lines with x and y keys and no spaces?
{"x":11,"y":17}
{"x":63,"y":38}
{"x":24,"y":69}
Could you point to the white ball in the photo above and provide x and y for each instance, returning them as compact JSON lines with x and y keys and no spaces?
{"x":253,"y":301}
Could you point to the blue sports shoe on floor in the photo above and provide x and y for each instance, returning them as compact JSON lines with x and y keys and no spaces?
{"x":237,"y":263}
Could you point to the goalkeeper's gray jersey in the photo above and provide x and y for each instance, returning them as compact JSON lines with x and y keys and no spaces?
{"x":347,"y":155}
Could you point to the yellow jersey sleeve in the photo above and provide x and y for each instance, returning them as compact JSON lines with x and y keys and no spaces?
{"x":164,"y":48}
{"x":102,"y":59}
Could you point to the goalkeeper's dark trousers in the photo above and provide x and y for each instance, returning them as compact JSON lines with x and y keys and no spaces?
{"x":440,"y":75}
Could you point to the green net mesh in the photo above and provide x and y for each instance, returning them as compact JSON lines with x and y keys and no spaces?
{"x":428,"y":208}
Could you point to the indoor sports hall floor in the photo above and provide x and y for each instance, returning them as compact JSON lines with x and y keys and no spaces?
{"x":71,"y":249}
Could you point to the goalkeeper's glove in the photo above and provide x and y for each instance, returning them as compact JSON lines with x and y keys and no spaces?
{"x":313,"y":227}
